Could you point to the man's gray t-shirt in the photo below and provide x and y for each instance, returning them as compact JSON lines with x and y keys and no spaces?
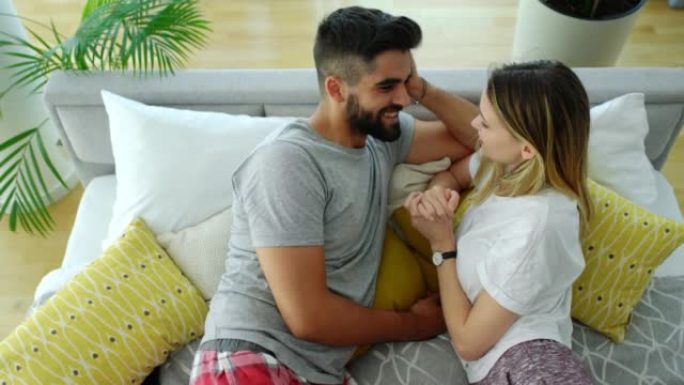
{"x":298,"y":189}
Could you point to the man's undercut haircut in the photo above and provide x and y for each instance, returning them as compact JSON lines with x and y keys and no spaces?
{"x":349,"y":39}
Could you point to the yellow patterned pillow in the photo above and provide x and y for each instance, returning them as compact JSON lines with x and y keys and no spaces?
{"x":622,"y":246}
{"x":111,"y":324}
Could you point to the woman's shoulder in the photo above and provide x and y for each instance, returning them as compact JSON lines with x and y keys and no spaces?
{"x":531,"y":213}
{"x":541,"y":203}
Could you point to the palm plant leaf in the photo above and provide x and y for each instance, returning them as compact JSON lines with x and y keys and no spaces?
{"x":34,"y":189}
{"x":142,"y":35}
{"x":5,"y":205}
{"x":31,"y":62}
{"x":37,"y":216}
{"x":21,"y":179}
{"x":92,"y":5}
{"x":46,"y":157}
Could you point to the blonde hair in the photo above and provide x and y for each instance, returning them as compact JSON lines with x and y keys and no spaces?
{"x":545,"y":104}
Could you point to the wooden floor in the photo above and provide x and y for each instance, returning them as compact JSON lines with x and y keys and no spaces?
{"x":279,"y":33}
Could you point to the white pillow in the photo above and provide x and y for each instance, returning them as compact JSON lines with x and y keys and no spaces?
{"x":667,"y":206}
{"x":407,"y":178}
{"x":174,"y":167}
{"x":200,"y":251}
{"x":617,"y":154}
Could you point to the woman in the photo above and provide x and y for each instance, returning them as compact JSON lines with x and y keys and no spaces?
{"x":506,"y":296}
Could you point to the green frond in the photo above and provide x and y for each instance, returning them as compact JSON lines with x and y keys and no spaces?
{"x":11,"y":156}
{"x":5,"y":181}
{"x":135,"y":34}
{"x":39,"y":174}
{"x":140,"y":35}
{"x":13,"y":214}
{"x":26,"y":214}
{"x":16,"y":139}
{"x":24,"y":180}
{"x":5,"y":205}
{"x":37,"y":206}
{"x":46,"y":158}
{"x":92,"y":5}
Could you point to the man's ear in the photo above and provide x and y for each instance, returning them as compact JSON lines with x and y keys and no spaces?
{"x":527,"y":151}
{"x":335,"y":88}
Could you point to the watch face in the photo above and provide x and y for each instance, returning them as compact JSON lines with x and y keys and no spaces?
{"x":437,"y":258}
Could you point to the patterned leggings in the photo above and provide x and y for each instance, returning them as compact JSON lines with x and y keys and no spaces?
{"x":538,"y":362}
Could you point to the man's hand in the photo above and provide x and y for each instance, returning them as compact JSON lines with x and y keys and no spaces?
{"x":430,"y":317}
{"x":415,"y":86}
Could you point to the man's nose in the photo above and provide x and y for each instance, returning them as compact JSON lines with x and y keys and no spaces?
{"x":401,"y":96}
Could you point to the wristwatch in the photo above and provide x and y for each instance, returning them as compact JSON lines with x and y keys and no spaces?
{"x":439,"y":256}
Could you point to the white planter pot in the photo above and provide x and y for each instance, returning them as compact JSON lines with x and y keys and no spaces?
{"x":23,"y":110}
{"x":543,"y":33}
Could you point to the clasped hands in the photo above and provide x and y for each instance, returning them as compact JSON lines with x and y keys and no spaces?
{"x":432,"y":215}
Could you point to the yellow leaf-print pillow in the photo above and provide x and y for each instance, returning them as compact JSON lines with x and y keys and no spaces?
{"x":622,"y":246}
{"x":112,"y":323}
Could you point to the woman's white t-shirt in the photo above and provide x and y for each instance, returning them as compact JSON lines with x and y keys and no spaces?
{"x":525,"y":252}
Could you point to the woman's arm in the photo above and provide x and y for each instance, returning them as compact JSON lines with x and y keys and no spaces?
{"x":474,"y":329}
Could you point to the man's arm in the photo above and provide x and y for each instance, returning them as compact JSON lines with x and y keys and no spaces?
{"x":433,"y":140}
{"x":452,"y":135}
{"x":296,"y":276}
{"x":456,"y":177}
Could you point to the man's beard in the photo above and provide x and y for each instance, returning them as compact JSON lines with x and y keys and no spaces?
{"x":363,"y":122}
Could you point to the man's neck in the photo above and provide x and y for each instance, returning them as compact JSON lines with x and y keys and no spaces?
{"x":334,"y":126}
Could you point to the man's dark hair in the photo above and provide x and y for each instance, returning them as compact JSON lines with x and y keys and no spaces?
{"x":349,"y":39}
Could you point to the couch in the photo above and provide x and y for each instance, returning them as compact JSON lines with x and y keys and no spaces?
{"x":652,"y":350}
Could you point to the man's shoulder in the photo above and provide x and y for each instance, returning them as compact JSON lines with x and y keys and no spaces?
{"x":292,"y":136}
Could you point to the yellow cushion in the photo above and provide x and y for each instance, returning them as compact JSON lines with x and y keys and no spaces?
{"x":111,"y":324}
{"x":622,"y":246}
{"x":400,"y":282}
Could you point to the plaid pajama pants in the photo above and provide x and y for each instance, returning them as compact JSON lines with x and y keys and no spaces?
{"x":243,"y":368}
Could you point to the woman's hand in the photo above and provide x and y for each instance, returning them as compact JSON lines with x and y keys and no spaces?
{"x":432,"y":215}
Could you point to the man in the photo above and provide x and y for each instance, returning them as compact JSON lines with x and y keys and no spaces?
{"x":310,"y":212}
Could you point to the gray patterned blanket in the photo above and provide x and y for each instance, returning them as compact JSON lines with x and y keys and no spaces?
{"x":651,"y":354}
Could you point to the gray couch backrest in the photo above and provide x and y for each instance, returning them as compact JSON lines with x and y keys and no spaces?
{"x":76,"y":109}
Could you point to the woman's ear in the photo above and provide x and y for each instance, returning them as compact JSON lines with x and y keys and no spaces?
{"x":335,"y":88}
{"x":527,"y":151}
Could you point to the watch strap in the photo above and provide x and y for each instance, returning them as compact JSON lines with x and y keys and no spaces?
{"x":449,"y":254}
